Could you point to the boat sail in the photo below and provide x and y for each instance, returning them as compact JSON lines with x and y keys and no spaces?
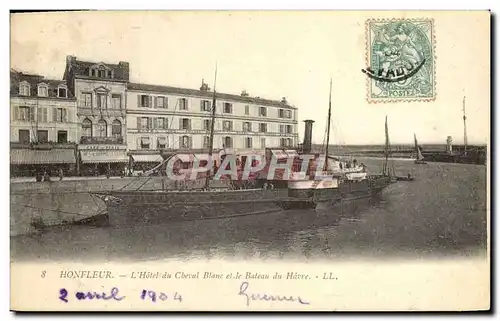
{"x":419,"y":158}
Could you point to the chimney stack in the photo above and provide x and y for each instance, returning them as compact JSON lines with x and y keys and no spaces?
{"x":125,"y":68}
{"x":244,"y":93}
{"x":307,"y":145}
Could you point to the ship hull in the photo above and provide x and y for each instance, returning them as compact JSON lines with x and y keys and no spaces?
{"x":345,"y":191}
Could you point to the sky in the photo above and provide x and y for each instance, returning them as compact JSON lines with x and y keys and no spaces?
{"x":273,"y":54}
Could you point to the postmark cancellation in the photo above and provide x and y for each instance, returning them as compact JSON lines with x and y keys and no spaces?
{"x":400,"y":58}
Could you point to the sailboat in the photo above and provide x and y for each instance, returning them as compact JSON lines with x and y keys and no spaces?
{"x":132,"y":207}
{"x":419,"y":159}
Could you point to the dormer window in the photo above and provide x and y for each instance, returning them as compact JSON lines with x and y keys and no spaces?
{"x":24,"y":88}
{"x":62,"y":92}
{"x":43,"y":90}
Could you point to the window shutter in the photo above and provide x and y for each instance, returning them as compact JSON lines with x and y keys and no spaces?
{"x":155,"y":102}
{"x":65,"y":115}
{"x":165,"y":102}
{"x":32,"y":113}
{"x":150,"y":101}
{"x":16,"y":113}
{"x":180,"y":123}
{"x":139,"y":101}
{"x":138,"y":143}
{"x":201,"y":105}
{"x":150,"y":123}
{"x":189,"y":123}
{"x":139,"y":123}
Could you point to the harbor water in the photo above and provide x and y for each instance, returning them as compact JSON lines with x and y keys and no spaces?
{"x":443,"y":212}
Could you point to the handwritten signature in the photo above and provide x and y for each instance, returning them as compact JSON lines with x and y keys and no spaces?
{"x":266,"y":297}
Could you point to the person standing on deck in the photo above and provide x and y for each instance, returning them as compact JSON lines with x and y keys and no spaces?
{"x":61,"y":174}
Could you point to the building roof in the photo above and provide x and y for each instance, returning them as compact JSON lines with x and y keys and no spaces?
{"x":81,"y":68}
{"x":207,"y":94}
{"x":16,"y":77}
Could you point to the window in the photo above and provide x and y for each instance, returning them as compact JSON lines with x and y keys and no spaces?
{"x":60,"y":115}
{"x":262,"y":143}
{"x":24,"y":136}
{"x":263,"y":111}
{"x":116,"y":101}
{"x":206,"y":142}
{"x":281,"y":113}
{"x":108,"y":73}
{"x":282,"y":129}
{"x":87,"y":99}
{"x":87,"y":127}
{"x":102,"y":101}
{"x":161,"y":102}
{"x":288,"y":129}
{"x":116,"y":128}
{"x":102,"y":128}
{"x":206,"y":124}
{"x":162,"y":142}
{"x":228,"y":108}
{"x":145,"y":143}
{"x":247,"y":127}
{"x":228,"y":142}
{"x":43,"y":90}
{"x":62,"y":92}
{"x":183,"y":105}
{"x":26,"y":113}
{"x":42,"y":136}
{"x":263,"y":128}
{"x":24,"y":89}
{"x":161,"y":123}
{"x":185,"y":123}
{"x":43,"y":115}
{"x":247,"y":110}
{"x":227,"y":125}
{"x":62,"y":136}
{"x":205,"y":105}
{"x":185,"y":142}
{"x":143,"y":123}
{"x":102,"y":73}
{"x":248,"y":142}
{"x":286,"y":142}
{"x":144,"y":101}
{"x":289,"y":114}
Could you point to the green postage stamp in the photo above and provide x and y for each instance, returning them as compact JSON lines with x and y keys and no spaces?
{"x":400,"y":60}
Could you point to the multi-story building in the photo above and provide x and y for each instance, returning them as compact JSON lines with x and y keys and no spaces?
{"x":162,"y":117}
{"x":100,"y":91}
{"x":43,"y":129}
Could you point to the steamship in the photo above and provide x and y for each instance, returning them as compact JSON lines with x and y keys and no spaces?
{"x":256,"y":194}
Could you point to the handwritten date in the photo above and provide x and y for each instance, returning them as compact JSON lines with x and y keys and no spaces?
{"x":114,"y":295}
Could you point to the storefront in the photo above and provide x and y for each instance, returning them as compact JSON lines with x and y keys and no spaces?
{"x":141,"y":162}
{"x":98,"y":160}
{"x":27,"y":162}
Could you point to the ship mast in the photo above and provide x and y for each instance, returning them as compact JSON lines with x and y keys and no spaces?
{"x":211,"y":138}
{"x":385,"y":170}
{"x":328,"y":126}
{"x":465,"y":128}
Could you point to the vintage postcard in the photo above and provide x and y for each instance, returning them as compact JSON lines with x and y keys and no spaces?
{"x":250,"y":161}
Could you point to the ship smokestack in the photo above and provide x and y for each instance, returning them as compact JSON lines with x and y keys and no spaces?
{"x":307,"y":145}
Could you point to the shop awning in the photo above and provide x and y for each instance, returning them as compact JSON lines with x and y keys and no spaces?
{"x":147,"y":158}
{"x":162,"y":140}
{"x":35,"y":156}
{"x":103,"y":156}
{"x":145,"y":140}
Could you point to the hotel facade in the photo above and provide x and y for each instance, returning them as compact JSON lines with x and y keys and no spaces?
{"x":116,"y":125}
{"x":170,"y":118}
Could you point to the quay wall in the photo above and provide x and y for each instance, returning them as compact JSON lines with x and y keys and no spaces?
{"x":67,"y":200}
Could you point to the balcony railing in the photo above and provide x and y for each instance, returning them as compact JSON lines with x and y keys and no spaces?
{"x":101,"y":140}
